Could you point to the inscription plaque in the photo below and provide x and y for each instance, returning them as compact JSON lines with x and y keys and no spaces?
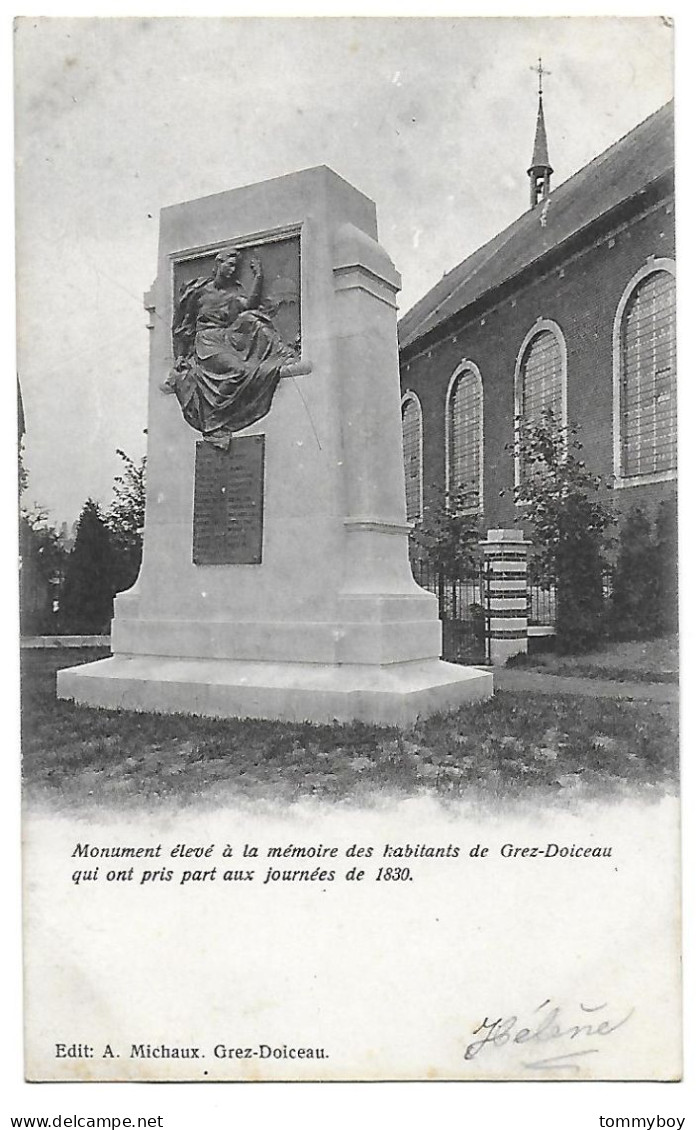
{"x":228,"y":503}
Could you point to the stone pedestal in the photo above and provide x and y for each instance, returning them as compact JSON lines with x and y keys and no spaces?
{"x":321,"y":619}
{"x":505,"y":572}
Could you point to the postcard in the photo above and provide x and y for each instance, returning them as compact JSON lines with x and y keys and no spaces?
{"x":348,"y":549}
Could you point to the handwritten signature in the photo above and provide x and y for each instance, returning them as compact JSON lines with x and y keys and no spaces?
{"x":549,"y":1023}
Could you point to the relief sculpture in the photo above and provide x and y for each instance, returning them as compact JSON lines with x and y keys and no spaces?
{"x":229,"y":353}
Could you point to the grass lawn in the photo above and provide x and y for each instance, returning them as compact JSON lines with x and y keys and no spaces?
{"x":641,"y":661}
{"x":512,"y":746}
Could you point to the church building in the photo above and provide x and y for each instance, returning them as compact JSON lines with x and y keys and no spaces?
{"x":571,"y":308}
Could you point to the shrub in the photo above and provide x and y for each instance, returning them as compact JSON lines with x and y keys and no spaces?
{"x":644,"y":598}
{"x":561,"y":502}
{"x":446,"y":539}
{"x":125,"y":520}
{"x":667,"y":566}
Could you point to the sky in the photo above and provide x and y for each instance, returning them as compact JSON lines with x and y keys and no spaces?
{"x":433,"y":118}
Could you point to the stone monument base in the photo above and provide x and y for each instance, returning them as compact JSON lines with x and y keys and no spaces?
{"x":396,"y":694}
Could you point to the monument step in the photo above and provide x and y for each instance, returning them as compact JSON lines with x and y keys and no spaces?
{"x":396,"y":694}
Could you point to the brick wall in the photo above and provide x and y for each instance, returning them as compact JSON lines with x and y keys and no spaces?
{"x":581,"y":293}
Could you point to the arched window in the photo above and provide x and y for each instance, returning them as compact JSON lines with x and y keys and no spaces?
{"x":464,"y":437}
{"x":540,"y":379}
{"x":412,"y":429}
{"x":645,"y":377}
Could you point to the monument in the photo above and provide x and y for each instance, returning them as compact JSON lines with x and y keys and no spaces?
{"x":275,"y":580}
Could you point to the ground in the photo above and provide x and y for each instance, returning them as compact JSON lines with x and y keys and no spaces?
{"x":515,"y":745}
{"x":650,"y":661}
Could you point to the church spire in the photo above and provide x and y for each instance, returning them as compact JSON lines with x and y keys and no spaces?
{"x":539,"y":172}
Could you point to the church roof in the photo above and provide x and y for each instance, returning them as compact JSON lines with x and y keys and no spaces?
{"x":540,"y":156}
{"x":625,"y":169}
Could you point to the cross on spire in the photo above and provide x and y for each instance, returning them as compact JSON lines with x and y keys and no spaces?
{"x":540,"y":170}
{"x":540,"y":72}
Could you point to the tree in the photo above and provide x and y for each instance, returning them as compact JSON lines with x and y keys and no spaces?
{"x":88,"y":592}
{"x":561,"y":501}
{"x":446,"y":539}
{"x":22,"y":476}
{"x":43,"y":556}
{"x":125,"y":520}
{"x":21,"y":428}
